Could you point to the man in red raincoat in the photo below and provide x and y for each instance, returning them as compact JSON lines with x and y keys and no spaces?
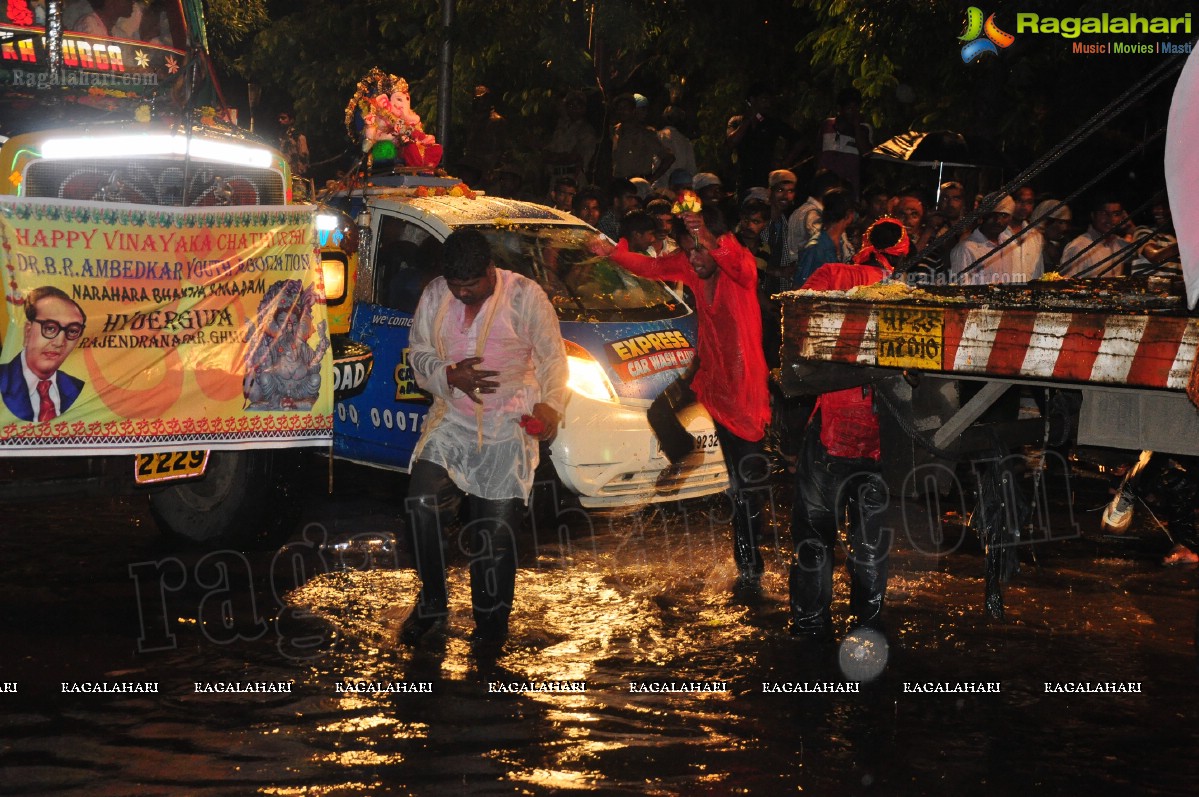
{"x":731,"y":379}
{"x":839,"y":469}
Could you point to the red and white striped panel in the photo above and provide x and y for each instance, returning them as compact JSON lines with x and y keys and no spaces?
{"x":1141,"y":350}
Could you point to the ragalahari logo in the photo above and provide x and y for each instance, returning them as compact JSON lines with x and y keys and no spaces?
{"x":982,"y":37}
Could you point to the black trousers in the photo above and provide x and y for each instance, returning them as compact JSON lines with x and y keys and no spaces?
{"x":748,"y":471}
{"x":827,"y":489}
{"x":1172,"y":481}
{"x":745,"y":461}
{"x":677,"y":443}
{"x":488,"y":540}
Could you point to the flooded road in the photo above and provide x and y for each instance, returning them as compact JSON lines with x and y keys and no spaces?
{"x":631,"y":667}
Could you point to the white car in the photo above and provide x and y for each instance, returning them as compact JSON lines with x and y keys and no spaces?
{"x":627,"y":339}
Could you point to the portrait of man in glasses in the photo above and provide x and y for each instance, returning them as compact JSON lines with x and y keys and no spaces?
{"x":32,"y":387}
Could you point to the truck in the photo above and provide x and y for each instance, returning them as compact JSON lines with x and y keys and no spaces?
{"x":132,"y":121}
{"x":1113,"y":362}
{"x":127,"y":128}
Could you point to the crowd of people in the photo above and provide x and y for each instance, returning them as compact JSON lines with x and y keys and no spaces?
{"x":766,"y":233}
{"x":601,"y":173}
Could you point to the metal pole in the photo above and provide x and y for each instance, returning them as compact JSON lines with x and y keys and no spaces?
{"x":253,"y":94}
{"x":445,"y":75}
{"x":54,"y":41}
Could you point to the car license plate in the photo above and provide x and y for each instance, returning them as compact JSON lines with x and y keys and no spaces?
{"x":169,"y":465}
{"x":705,"y":441}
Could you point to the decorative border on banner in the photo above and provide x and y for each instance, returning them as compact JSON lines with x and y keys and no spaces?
{"x":237,"y":430}
{"x":151,"y":215}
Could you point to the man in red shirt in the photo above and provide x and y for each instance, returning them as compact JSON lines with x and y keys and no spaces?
{"x":839,"y":469}
{"x":731,"y":379}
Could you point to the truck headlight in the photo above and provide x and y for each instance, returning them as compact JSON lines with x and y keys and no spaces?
{"x":333,"y":265}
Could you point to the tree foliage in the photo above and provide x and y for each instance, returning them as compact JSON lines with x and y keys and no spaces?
{"x":903,"y":55}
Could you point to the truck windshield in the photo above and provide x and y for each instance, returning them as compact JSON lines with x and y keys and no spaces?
{"x":581,"y":286}
{"x":158,"y":23}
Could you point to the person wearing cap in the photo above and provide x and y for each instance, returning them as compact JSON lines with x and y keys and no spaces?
{"x":1105,"y":248}
{"x":644,"y":189}
{"x":991,"y":233}
{"x":838,"y":473}
{"x":731,"y":378}
{"x":775,"y":277}
{"x":1051,"y":220}
{"x":641,"y":106}
{"x":679,"y":145}
{"x":781,"y":198}
{"x":636,"y":150}
{"x":680,"y":180}
{"x":708,"y":188}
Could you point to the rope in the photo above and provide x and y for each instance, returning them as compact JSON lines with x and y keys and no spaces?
{"x":1083,"y":189}
{"x":1150,"y":81}
{"x":1125,"y":253}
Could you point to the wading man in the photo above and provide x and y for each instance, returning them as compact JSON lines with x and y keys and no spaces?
{"x":731,"y":379}
{"x":839,"y":472}
{"x":485,"y":342}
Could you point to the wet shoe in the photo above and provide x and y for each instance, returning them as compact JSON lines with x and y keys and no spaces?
{"x":490,"y":632}
{"x":415,"y":628}
{"x":1117,"y":515}
{"x":748,"y":578}
{"x":817,"y":636}
{"x":1180,"y":555}
{"x":668,"y":480}
{"x":747,"y":589}
{"x":671,"y":479}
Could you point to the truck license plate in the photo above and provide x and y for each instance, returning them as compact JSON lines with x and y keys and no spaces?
{"x":169,"y":465}
{"x":910,"y":337}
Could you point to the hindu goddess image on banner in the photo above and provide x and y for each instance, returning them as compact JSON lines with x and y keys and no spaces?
{"x":134,"y":328}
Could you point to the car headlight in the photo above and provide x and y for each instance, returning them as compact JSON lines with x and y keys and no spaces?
{"x":587,"y":377}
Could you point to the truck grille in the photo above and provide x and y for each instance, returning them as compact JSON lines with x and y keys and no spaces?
{"x":154,"y":183}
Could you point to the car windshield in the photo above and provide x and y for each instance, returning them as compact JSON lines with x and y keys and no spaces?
{"x":581,"y":286}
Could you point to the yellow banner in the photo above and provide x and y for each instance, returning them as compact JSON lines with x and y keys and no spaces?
{"x":136,"y":328}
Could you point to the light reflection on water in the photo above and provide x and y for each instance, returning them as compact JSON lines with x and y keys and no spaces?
{"x":637,"y":601}
{"x":582,"y":623}
{"x":618,"y":610}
